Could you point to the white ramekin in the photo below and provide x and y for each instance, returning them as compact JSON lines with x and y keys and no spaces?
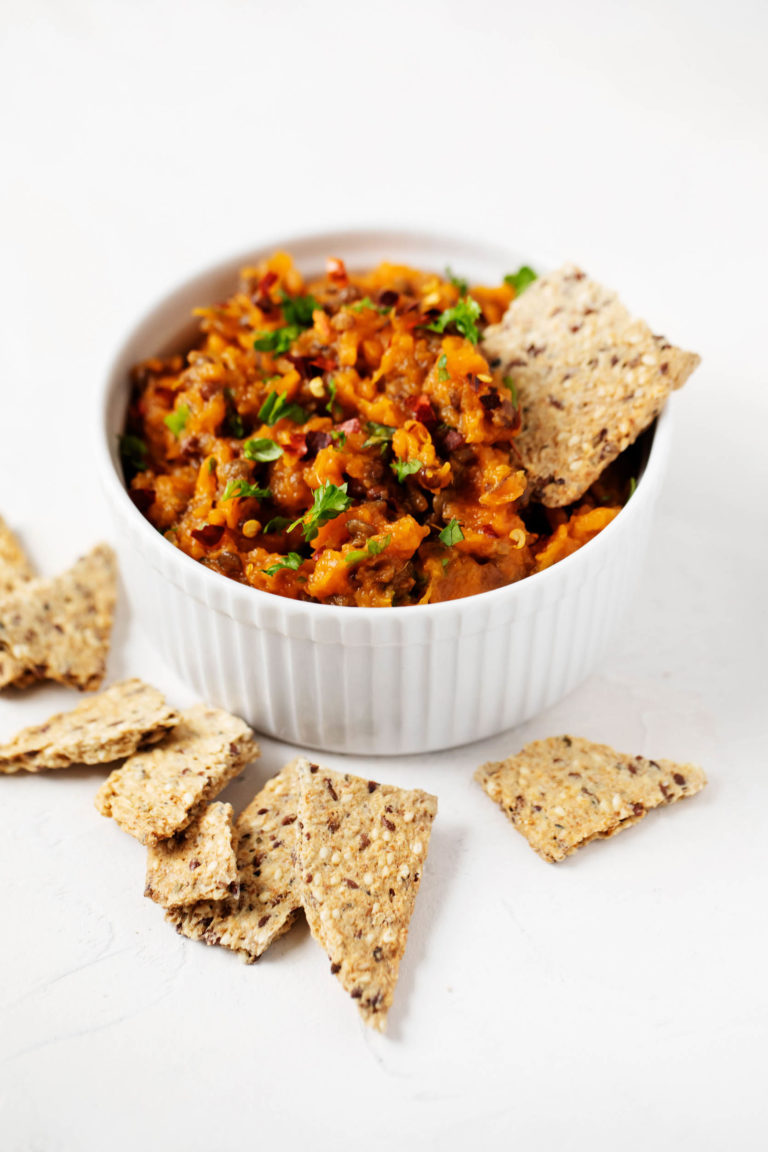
{"x":368,"y":680}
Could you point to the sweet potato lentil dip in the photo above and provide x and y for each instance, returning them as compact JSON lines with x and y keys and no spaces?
{"x":345,"y":441}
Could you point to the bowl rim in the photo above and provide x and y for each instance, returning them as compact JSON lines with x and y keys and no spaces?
{"x":246,"y":596}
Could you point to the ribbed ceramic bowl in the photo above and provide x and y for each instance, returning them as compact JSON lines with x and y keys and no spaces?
{"x":369,"y":680}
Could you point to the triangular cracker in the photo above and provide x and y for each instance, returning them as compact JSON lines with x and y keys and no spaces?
{"x":563,"y":792}
{"x":110,"y":726}
{"x":265,"y":843}
{"x":15,"y":570}
{"x":155,"y":794}
{"x":59,"y":629}
{"x":589,"y":379}
{"x":362,"y":847}
{"x":196,"y":864}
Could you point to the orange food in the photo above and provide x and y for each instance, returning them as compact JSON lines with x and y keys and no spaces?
{"x":345,"y":441}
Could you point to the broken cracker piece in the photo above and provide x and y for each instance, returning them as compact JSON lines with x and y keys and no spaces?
{"x":59,"y":629}
{"x":15,"y":567}
{"x":15,"y":570}
{"x":196,"y":864}
{"x":563,"y":792}
{"x":265,"y":843}
{"x":588,"y":376}
{"x":154,"y":795}
{"x":362,"y":847}
{"x":106,"y":727}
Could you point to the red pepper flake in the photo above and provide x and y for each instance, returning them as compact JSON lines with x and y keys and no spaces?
{"x":336,"y":271}
{"x":423,"y":411}
{"x":261,"y":295}
{"x":209,"y":536}
{"x":297,"y":442}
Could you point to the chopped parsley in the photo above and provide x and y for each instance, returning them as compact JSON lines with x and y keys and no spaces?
{"x":442,"y":369}
{"x":243,"y":490}
{"x":632,"y":487}
{"x":176,"y":421}
{"x":262,"y":449}
{"x":509,"y":383}
{"x":339,"y":437}
{"x":291,"y":561}
{"x":373,"y":548}
{"x":278,"y":341}
{"x":133,"y":452}
{"x":298,"y":310}
{"x":331,"y":395}
{"x":276,"y":524}
{"x":403,"y":468}
{"x":452,"y":533}
{"x":278,"y":407}
{"x":366,"y":302}
{"x":521,"y":279}
{"x":378,"y":434}
{"x":457,"y":281}
{"x":328,"y":501}
{"x":463,"y":317}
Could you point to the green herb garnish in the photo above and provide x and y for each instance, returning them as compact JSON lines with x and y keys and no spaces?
{"x":457,"y":281}
{"x":262,"y":449}
{"x":278,"y":341}
{"x":462,"y":317}
{"x":328,"y":501}
{"x":366,"y":302}
{"x":276,"y":524}
{"x":378,"y":434}
{"x":632,"y":487}
{"x":339,"y":437}
{"x":244,"y":490}
{"x":521,"y":279}
{"x":291,"y":561}
{"x":509,"y":383}
{"x":278,"y":407}
{"x":133,"y":452}
{"x":442,"y":369}
{"x":403,"y":468}
{"x":176,"y":421}
{"x":298,"y":310}
{"x":452,"y":533}
{"x":373,"y":548}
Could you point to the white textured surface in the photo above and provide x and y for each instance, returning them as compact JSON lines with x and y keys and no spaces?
{"x":618,"y":1000}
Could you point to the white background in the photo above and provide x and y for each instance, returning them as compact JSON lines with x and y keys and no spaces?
{"x":616,"y":1000}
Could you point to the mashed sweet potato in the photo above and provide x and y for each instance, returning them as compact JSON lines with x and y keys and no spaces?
{"x":345,"y":441}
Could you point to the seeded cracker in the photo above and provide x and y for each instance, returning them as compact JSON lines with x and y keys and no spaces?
{"x":106,"y":727}
{"x":265,"y":843}
{"x":15,"y":567}
{"x":362,"y":848}
{"x":15,"y":570}
{"x":196,"y":864}
{"x":59,"y":629}
{"x":155,"y":794}
{"x":563,"y":792}
{"x":588,"y":376}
